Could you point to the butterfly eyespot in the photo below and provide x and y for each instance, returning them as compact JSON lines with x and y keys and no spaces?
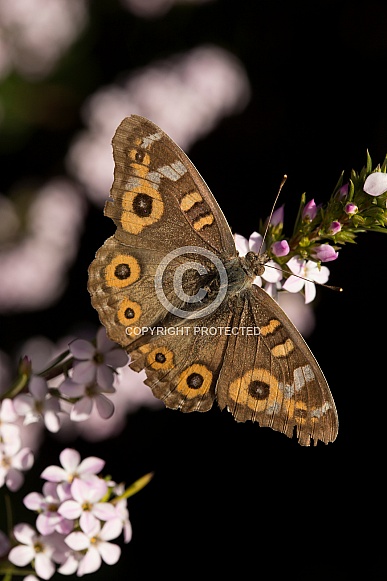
{"x":139,"y":156}
{"x":129,"y":312}
{"x":142,"y":205}
{"x":194,"y":381}
{"x":259,"y":390}
{"x":160,"y":358}
{"x":122,"y":271}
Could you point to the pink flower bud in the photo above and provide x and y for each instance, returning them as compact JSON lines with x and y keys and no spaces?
{"x":335,"y":227}
{"x":310,"y":211}
{"x":324,"y":252}
{"x":280,"y":248}
{"x":350,"y":209}
{"x":343,"y":192}
{"x":278,"y":216}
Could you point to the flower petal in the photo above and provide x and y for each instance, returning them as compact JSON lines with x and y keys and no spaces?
{"x":34,"y":501}
{"x":44,"y":567}
{"x":242,"y":245}
{"x":376,"y":184}
{"x":310,"y":291}
{"x":54,"y":474}
{"x":21,"y":555}
{"x":105,"y":377}
{"x":255,"y":243}
{"x":52,"y":422}
{"x":81,"y":410}
{"x":90,"y":562}
{"x":84,"y":372}
{"x":82,"y":349}
{"x":293,"y":284}
{"x":71,"y":388}
{"x":116,"y":358}
{"x":77,"y":541}
{"x":24,"y":533}
{"x":91,"y":465}
{"x":38,"y":387}
{"x":272,"y":272}
{"x":105,"y":406}
{"x":109,"y":552}
{"x":70,"y":509}
{"x":111,"y":529}
{"x":103,"y":342}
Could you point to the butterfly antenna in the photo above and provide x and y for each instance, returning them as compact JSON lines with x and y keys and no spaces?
{"x":272,"y":211}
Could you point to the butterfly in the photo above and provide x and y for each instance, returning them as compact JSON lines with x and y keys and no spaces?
{"x":170,"y":288}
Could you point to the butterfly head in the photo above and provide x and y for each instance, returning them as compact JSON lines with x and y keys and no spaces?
{"x":254,"y":264}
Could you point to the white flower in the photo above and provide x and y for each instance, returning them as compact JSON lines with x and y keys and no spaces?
{"x":38,"y":404}
{"x":272,"y":275}
{"x":94,"y":540}
{"x":73,"y":467}
{"x":86,"y":504}
{"x":308,"y":270}
{"x":87,"y":394}
{"x":96,"y":364}
{"x":47,"y":504}
{"x":33,"y":547}
{"x":13,"y":462}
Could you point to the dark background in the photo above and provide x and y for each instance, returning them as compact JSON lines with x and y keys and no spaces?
{"x":229,"y":498}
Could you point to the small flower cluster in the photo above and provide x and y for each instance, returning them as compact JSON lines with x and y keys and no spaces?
{"x":85,"y":372}
{"x":294,"y":263}
{"x":79,"y":513}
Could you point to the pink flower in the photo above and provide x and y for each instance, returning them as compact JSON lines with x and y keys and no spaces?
{"x":47,"y":504}
{"x":73,"y":468}
{"x":94,"y":540}
{"x":310,"y":272}
{"x":38,"y":404}
{"x":86,"y":503}
{"x":376,"y":184}
{"x":35,"y":548}
{"x":310,"y":211}
{"x":324,"y":252}
{"x":280,"y":248}
{"x":96,"y":364}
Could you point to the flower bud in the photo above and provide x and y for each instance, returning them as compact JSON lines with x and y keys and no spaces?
{"x":310,"y":211}
{"x":335,"y":227}
{"x":280,"y":248}
{"x":351,"y":209}
{"x":324,"y":252}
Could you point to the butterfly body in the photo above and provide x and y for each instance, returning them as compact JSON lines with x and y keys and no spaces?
{"x":170,"y":288}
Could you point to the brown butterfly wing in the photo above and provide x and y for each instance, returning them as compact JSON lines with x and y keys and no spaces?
{"x":273,"y":378}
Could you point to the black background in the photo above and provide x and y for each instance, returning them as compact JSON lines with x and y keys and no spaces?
{"x":229,"y":498}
